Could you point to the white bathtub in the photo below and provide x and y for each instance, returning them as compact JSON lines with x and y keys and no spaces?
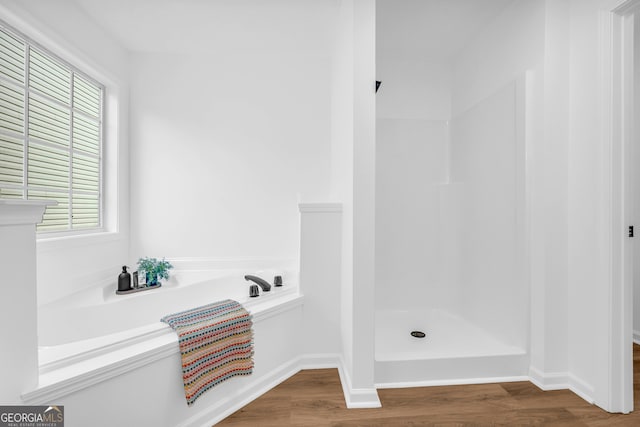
{"x":96,"y":346}
{"x":99,"y":311}
{"x":454,"y":351}
{"x":96,"y":323}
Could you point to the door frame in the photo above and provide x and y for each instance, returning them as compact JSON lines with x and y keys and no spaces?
{"x":615,"y":316}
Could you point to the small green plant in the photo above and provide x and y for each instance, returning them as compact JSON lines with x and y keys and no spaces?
{"x":154,"y":269}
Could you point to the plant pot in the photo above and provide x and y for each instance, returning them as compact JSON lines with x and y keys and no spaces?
{"x":152,"y":279}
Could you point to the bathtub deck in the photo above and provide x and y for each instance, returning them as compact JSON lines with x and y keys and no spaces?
{"x":454,"y":351}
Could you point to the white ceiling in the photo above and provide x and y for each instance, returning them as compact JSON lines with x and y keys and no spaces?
{"x":192,"y":25}
{"x":434,"y":28}
{"x":437,"y":28}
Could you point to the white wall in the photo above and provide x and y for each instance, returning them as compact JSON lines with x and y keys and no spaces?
{"x":413,"y":86}
{"x":413,"y":106}
{"x":224,"y":147}
{"x":342,"y":99}
{"x":237,"y":137}
{"x":550,"y":225}
{"x":68,"y":264}
{"x":342,"y":162}
{"x":507,"y":46}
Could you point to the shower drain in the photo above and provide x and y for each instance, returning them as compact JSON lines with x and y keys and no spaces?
{"x":418,"y":334}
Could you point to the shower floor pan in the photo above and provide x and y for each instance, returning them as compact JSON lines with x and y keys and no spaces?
{"x":453,"y":351}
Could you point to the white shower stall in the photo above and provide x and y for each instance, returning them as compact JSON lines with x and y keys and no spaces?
{"x":451,"y":189}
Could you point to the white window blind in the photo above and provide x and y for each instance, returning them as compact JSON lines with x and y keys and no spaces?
{"x":50,"y":134}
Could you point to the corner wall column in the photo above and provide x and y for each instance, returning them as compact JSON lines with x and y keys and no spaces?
{"x":18,"y":303}
{"x":320,"y":244}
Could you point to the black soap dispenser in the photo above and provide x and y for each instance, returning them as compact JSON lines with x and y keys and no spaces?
{"x":124,"y":280}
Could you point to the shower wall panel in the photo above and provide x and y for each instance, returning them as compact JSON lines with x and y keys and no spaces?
{"x":485,"y":202}
{"x":411,"y":167}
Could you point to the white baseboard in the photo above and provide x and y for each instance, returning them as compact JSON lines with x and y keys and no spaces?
{"x":549,"y":381}
{"x":581,"y":388}
{"x":561,"y":381}
{"x":357,"y":397}
{"x":636,"y":337}
{"x":320,"y":361}
{"x":463,"y":381}
{"x":353,"y":397}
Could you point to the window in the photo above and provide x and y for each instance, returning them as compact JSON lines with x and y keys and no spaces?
{"x":50,"y":134}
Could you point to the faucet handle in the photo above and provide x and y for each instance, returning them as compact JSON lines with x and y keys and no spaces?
{"x":277,"y":281}
{"x":253,"y":291}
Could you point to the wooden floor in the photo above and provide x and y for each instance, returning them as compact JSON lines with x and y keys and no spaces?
{"x":314,"y":398}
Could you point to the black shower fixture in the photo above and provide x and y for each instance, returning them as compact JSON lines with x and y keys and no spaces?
{"x":378,"y":83}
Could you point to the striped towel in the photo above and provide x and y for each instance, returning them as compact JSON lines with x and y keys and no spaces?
{"x":216,"y":343}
